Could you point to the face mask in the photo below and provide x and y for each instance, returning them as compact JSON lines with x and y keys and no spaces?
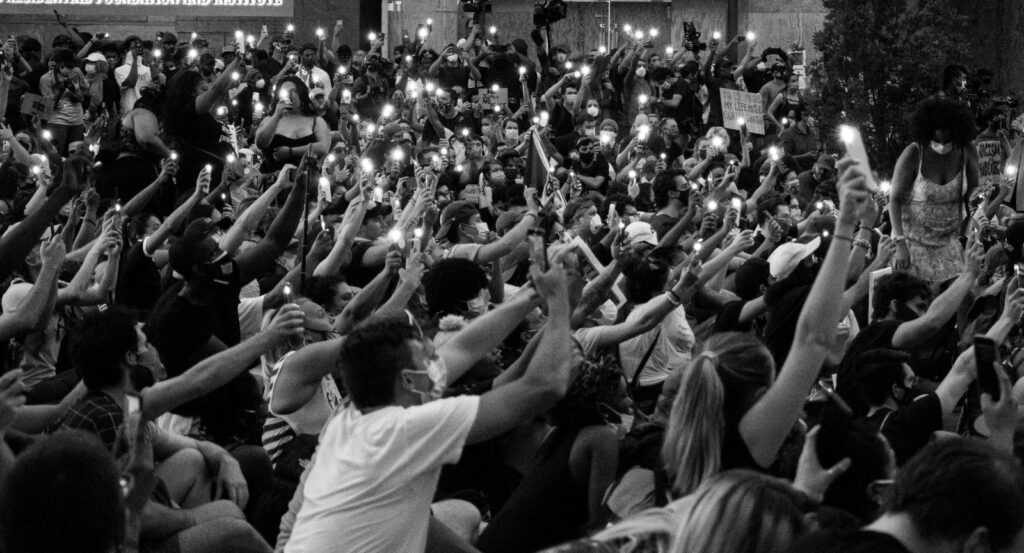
{"x":608,"y":137}
{"x":596,"y":223}
{"x":477,"y":305}
{"x":90,"y":68}
{"x":587,"y":157}
{"x":437,"y":372}
{"x":589,"y":132}
{"x":261,"y":83}
{"x":641,"y":72}
{"x":453,"y":58}
{"x":482,"y":229}
{"x":794,"y":213}
{"x":512,"y":134}
{"x":905,"y":313}
{"x":942,"y":149}
{"x":593,"y":111}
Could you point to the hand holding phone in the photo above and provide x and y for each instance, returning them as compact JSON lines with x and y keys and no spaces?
{"x":538,"y":249}
{"x":986,"y":356}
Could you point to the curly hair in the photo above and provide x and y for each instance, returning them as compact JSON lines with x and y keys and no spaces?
{"x":937,"y":113}
{"x":450,"y":283}
{"x":594,"y":386}
{"x":305,"y":104}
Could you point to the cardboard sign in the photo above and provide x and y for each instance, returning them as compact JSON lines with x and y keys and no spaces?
{"x":736,"y":104}
{"x":488,"y":98}
{"x":35,"y":105}
{"x":797,"y":60}
{"x":990,"y":161}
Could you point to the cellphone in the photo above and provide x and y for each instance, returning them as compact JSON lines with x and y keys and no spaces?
{"x":986,"y":355}
{"x":611,"y":210}
{"x":538,"y":248}
{"x":1020,"y":275}
{"x":289,"y":294}
{"x":835,"y":427}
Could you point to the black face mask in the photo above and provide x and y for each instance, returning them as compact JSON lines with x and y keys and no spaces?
{"x":587,"y":157}
{"x":219,"y":273}
{"x":907,"y":395}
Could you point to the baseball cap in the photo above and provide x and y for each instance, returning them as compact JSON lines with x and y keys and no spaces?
{"x":189,"y":250}
{"x":787,"y":256}
{"x":827,"y":161}
{"x":96,"y":57}
{"x":640,"y":232}
{"x":375,"y":209}
{"x":458,"y":213}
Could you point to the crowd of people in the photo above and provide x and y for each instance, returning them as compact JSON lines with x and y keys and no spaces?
{"x":512,"y":296}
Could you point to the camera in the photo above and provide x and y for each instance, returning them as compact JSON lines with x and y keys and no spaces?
{"x":477,"y":8}
{"x":546,"y":12}
{"x":691,"y":38}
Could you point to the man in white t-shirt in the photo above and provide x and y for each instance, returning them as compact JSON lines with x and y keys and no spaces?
{"x":134,"y":75}
{"x":376,"y":469}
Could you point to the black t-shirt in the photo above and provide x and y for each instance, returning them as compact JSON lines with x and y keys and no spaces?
{"x":599,"y":167}
{"x":780,"y":328}
{"x":662,"y":223}
{"x":180,"y":328}
{"x":875,"y":335}
{"x":863,"y":541}
{"x":454,"y":123}
{"x":910,"y":427}
{"x":198,"y":142}
{"x":450,"y":77}
{"x":728,"y":319}
{"x":561,"y":120}
{"x":138,"y":285}
{"x":355,"y":273}
{"x":689,"y":107}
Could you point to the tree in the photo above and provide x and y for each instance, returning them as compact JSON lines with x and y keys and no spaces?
{"x":879,"y":59}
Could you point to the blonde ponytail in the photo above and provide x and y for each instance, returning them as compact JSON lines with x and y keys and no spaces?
{"x":692,"y":451}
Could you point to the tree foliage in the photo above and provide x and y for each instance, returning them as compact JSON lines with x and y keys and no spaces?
{"x":879,"y":59}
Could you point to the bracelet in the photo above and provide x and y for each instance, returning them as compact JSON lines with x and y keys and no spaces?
{"x":673,"y":298}
{"x":898,"y":239}
{"x":844,"y":238}
{"x":861,"y":243}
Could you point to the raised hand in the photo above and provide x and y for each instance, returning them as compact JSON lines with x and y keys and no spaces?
{"x":812,"y":478}
{"x":288,"y":323}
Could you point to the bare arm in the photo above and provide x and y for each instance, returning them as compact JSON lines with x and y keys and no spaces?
{"x":219,"y":369}
{"x":547,"y":376}
{"x":341,"y":253}
{"x":764,"y":427}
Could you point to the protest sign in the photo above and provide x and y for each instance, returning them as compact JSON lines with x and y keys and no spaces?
{"x":35,"y":105}
{"x":736,"y":104}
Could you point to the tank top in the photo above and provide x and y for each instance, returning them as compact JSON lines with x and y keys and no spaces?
{"x":270,"y":164}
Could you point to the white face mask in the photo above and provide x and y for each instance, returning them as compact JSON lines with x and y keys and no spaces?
{"x":942,"y":149}
{"x":512,"y":134}
{"x":641,"y":72}
{"x":482,"y":229}
{"x":437,"y":372}
{"x":453,"y":58}
{"x":589,"y":132}
{"x":593,"y":111}
{"x":478,"y":305}
{"x":596,"y":223}
{"x":90,"y":68}
{"x":261,"y":83}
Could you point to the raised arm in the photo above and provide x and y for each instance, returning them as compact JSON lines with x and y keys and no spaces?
{"x":341,"y":253}
{"x":251,"y":217}
{"x":547,"y":376}
{"x":517,"y":235}
{"x":944,"y":307}
{"x":257,"y":259}
{"x":765,"y":426}
{"x":16,"y":243}
{"x":206,"y":100}
{"x":142,"y":199}
{"x":154,"y":241}
{"x":32,"y":311}
{"x":217,"y":370}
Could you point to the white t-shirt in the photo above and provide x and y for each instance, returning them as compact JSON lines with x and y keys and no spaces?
{"x":672,"y":351}
{"x":374,"y":475}
{"x":131,"y":94}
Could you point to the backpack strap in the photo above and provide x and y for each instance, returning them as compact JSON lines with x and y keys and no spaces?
{"x":635,"y":381}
